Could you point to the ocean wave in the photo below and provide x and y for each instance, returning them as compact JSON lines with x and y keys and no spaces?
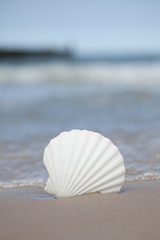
{"x":149,"y":176}
{"x":40,"y":182}
{"x":104,"y":72}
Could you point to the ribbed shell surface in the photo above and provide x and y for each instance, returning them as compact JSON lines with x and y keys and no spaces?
{"x":82,"y":161}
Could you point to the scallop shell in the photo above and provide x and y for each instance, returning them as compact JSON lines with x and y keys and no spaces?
{"x":82,"y":161}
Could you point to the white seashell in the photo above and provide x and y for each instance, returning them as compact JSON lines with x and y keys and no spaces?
{"x":82,"y":161}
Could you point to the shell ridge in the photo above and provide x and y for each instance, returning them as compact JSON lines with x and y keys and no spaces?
{"x":82,"y":163}
{"x":62,"y":163}
{"x":80,"y":157}
{"x":69,"y":171}
{"x":115,"y":188}
{"x":71,"y":154}
{"x":79,"y":180}
{"x":117,"y":180}
{"x":100,"y":163}
{"x":105,"y":182}
{"x":104,"y":172}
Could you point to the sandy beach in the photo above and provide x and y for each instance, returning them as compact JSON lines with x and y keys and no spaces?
{"x":30,"y":213}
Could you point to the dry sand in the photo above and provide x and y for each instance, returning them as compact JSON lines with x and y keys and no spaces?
{"x":30,"y":213}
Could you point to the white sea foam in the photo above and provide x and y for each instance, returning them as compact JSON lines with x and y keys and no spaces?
{"x":149,"y":176}
{"x":40,"y":182}
{"x":62,"y":72}
{"x":37,"y":182}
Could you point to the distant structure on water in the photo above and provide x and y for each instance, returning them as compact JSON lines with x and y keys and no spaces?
{"x":38,"y":53}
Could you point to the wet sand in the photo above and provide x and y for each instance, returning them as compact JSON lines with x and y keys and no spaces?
{"x":30,"y":213}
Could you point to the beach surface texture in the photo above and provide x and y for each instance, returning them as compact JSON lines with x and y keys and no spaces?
{"x":30,"y":213}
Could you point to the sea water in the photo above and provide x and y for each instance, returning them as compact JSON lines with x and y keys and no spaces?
{"x":38,"y":100}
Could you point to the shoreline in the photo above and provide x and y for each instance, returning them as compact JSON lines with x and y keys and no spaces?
{"x":30,"y":213}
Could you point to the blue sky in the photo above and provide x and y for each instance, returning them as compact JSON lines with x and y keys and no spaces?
{"x":90,"y":26}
